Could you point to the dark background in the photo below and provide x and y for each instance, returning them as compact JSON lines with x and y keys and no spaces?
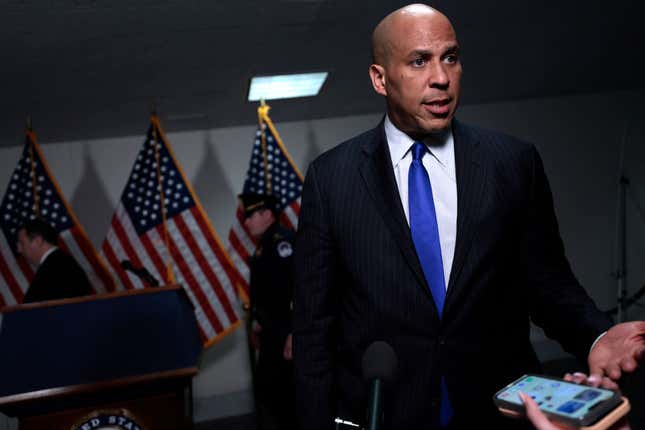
{"x":92,"y":68}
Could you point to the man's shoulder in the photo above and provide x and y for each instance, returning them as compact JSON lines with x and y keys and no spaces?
{"x":278,"y":242}
{"x":491,"y":140}
{"x":58,"y":256}
{"x":61,"y":261}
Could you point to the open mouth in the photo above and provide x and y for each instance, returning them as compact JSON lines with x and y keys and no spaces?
{"x":440,"y":107}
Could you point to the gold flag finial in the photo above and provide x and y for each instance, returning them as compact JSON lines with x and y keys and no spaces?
{"x":263,"y":114}
{"x":263,"y":109}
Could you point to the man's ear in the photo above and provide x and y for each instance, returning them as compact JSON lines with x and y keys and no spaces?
{"x":377,"y":75}
{"x":38,"y":240}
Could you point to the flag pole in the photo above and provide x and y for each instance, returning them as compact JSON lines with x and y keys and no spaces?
{"x":31,"y":141}
{"x":170,"y":276}
{"x":263,"y":111}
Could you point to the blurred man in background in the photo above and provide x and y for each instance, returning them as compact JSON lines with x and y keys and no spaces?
{"x":58,"y":274}
{"x":271,"y":302}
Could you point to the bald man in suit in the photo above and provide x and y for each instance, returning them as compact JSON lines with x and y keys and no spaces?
{"x":441,"y":239}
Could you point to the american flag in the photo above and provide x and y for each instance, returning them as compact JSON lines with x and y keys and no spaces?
{"x":278,"y":176}
{"x":33,"y":192}
{"x":160,"y":227}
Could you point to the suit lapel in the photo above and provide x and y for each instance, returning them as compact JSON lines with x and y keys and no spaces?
{"x":378,"y":175}
{"x":471,"y":177}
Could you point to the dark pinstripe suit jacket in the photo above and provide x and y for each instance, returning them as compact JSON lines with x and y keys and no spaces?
{"x":59,"y":277}
{"x":358,"y":279}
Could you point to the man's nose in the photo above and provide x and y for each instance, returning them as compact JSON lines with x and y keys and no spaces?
{"x":439,"y":77}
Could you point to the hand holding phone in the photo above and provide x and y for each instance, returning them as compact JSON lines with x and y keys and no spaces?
{"x":541,"y":422}
{"x":566,"y":403}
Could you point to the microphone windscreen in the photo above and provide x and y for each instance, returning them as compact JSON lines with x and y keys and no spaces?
{"x":379,"y":362}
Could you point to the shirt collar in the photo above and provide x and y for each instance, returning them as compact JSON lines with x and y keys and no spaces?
{"x":441,"y":146}
{"x":47,"y":253}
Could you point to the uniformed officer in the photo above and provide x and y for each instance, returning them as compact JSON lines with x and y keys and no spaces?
{"x":271,"y":302}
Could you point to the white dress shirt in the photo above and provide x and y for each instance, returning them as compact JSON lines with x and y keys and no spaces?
{"x":439,"y":162}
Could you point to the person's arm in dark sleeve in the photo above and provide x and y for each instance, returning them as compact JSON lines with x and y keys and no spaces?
{"x":557,"y":302}
{"x":315,"y":309}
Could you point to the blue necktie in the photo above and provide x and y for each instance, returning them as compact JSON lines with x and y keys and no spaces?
{"x":425,"y":235}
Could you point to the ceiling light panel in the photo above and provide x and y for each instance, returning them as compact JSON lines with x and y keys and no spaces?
{"x":285,"y":86}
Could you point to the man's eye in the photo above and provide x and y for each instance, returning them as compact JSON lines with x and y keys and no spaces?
{"x":452,"y":58}
{"x":419,"y":62}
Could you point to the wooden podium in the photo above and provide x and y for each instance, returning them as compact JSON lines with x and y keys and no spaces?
{"x":120,"y":360}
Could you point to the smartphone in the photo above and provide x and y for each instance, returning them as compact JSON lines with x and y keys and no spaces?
{"x":570,"y":403}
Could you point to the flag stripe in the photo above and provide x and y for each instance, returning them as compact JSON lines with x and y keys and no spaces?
{"x":286,"y":221}
{"x":239,"y":258}
{"x":237,"y":246}
{"x":159,"y":266}
{"x":200,"y":277}
{"x":241,"y":245}
{"x":161,"y":250}
{"x":220,"y":254}
{"x":102,"y":280}
{"x":217,"y":280}
{"x":16,"y":293}
{"x":243,"y":234}
{"x":63,"y":245}
{"x":192,"y":283}
{"x":117,"y":246}
{"x":127,"y":247}
{"x":145,"y":260}
{"x":19,"y":281}
{"x":292,"y":212}
{"x":116,"y":251}
{"x":71,"y":246}
{"x":206,"y":330}
{"x":239,"y":254}
{"x":242,"y":284}
{"x":109,"y":253}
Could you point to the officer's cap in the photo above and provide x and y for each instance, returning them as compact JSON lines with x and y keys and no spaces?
{"x":252,"y":202}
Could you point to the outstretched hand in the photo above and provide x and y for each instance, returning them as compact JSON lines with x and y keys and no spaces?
{"x":620,"y":350}
{"x":541,"y":422}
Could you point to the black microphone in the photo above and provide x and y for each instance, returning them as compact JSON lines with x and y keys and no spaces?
{"x":140,"y":272}
{"x":379,"y":365}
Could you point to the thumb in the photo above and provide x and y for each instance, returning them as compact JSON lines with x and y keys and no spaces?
{"x":535,"y":415}
{"x":595,"y":368}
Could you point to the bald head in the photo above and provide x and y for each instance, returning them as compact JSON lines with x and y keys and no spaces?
{"x":384,"y":37}
{"x":417,"y":68}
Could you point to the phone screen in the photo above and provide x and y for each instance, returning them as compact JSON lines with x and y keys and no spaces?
{"x":557,"y":397}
